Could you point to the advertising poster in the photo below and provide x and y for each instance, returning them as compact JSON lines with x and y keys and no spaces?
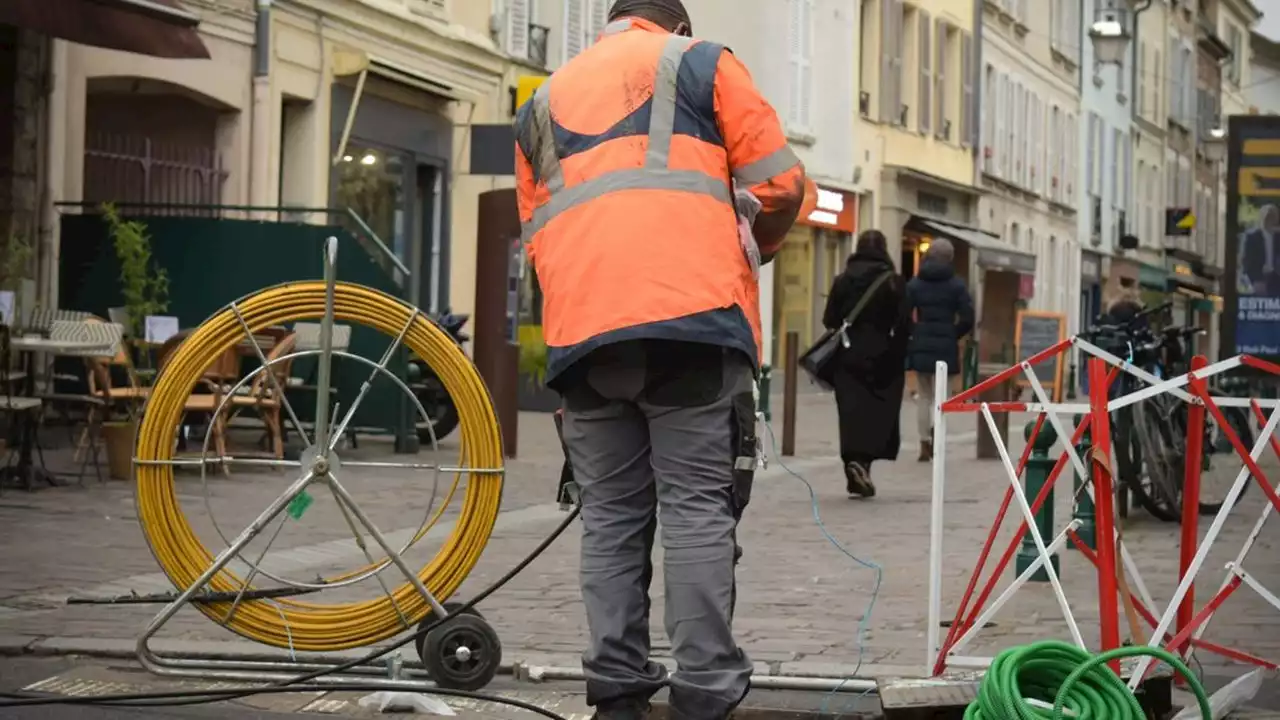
{"x":1251,"y":301}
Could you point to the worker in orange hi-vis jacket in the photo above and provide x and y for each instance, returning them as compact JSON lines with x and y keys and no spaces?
{"x":629,"y":161}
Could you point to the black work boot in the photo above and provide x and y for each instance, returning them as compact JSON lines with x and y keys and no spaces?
{"x":622,"y":709}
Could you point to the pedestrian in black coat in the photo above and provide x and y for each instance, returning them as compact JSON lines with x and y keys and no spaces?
{"x":943,"y":312}
{"x":870,"y":372}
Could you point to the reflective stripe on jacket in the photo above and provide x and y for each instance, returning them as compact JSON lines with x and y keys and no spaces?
{"x":624,"y":159}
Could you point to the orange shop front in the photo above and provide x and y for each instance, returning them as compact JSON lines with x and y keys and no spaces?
{"x":811,"y":257}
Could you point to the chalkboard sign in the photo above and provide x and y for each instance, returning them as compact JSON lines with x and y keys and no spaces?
{"x":1035,"y":333}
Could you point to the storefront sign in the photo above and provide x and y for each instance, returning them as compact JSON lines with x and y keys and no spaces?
{"x":1152,"y":276}
{"x":829,"y":208}
{"x":1251,"y":285}
{"x":995,"y":259}
{"x":1026,"y":287}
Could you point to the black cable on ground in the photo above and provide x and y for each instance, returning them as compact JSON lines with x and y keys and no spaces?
{"x":298,"y":684}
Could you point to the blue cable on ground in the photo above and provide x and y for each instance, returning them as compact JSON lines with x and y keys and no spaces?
{"x":877,"y":569}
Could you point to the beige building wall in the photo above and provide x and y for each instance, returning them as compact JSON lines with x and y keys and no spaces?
{"x":932,"y":143}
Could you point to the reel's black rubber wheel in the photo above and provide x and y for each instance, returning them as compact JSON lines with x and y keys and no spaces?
{"x":462,"y":654}
{"x":451,"y":608}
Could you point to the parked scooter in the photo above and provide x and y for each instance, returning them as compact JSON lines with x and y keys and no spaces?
{"x":442,"y":414}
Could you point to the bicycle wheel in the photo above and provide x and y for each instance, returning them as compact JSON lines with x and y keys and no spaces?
{"x":1157,"y":483}
{"x":1214,"y":486}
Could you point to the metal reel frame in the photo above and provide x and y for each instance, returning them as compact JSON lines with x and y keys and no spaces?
{"x":474,"y":645}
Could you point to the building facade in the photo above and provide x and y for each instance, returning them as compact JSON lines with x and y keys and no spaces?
{"x":320,"y":103}
{"x":1106,"y":174}
{"x":917,"y":131}
{"x":1263,"y":88}
{"x":1028,"y":163}
{"x":1142,"y":269}
{"x":813,"y":88}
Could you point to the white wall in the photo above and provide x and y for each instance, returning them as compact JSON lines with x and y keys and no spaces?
{"x":1264,"y":90}
{"x":758,"y":33}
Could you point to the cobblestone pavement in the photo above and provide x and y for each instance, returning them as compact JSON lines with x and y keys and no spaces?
{"x":801,"y":599}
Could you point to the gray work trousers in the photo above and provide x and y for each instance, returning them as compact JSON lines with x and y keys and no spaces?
{"x":654,"y":430}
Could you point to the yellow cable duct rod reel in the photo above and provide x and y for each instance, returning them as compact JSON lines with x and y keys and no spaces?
{"x":226,"y":584}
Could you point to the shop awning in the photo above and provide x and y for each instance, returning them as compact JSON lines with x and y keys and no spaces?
{"x":991,"y":252}
{"x":159,"y":28}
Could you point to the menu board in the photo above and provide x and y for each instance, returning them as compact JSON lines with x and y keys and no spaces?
{"x":1036,"y":332}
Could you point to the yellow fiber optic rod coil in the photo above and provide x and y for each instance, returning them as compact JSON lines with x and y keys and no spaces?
{"x":287,"y":623}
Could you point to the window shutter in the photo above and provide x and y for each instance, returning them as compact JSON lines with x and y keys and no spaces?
{"x":574,"y":29}
{"x":517,"y":29}
{"x":968,"y":128}
{"x":1174,"y":74}
{"x":1141,"y":95}
{"x":924,"y":112}
{"x":898,"y":45}
{"x":886,"y":66}
{"x":805,"y":77}
{"x":597,"y":18}
{"x":998,"y":142}
{"x":795,"y":50}
{"x":1188,"y":86}
{"x":940,"y":80}
{"x":1091,"y":155}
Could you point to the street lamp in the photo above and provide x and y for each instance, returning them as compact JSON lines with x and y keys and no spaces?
{"x":1215,"y":145}
{"x":1110,"y":40}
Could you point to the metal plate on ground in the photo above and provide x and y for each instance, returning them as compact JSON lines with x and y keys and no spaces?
{"x":941,"y":693}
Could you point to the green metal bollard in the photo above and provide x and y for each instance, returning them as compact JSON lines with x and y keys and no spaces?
{"x":1039,"y":465}
{"x":1084,"y":510}
{"x":766,"y":379}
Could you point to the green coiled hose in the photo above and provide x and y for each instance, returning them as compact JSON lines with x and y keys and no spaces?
{"x":1071,"y":679}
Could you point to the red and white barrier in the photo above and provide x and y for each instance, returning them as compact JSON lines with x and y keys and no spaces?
{"x":1180,"y":627}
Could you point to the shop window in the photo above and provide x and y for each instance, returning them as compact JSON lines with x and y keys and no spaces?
{"x":371,"y":182}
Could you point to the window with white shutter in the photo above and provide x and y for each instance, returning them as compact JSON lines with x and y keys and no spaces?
{"x":924,"y":112}
{"x":1174,"y":78}
{"x":1091,"y":155}
{"x":1070,"y":162}
{"x":1011,"y":130}
{"x":800,"y":42}
{"x":575,"y":29}
{"x":1001,"y":110}
{"x":1037,"y":145}
{"x":516,"y":31}
{"x":988,"y":130}
{"x":1140,"y":100}
{"x":1188,"y":87}
{"x":1117,"y":172}
{"x":597,"y":18}
{"x":968,"y":128}
{"x":1127,"y":172}
{"x":940,"y":96}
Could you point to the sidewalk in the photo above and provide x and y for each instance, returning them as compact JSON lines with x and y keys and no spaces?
{"x":800,"y":603}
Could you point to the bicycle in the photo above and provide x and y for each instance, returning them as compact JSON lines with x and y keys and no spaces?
{"x":1150,"y":436}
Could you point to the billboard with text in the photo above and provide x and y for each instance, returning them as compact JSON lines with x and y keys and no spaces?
{"x":1251,"y":285}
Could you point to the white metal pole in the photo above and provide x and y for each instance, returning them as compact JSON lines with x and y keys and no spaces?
{"x":937,"y":516}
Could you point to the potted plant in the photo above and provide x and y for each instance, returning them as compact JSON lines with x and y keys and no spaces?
{"x":15,"y":257}
{"x":534,"y":395}
{"x":145,"y":290}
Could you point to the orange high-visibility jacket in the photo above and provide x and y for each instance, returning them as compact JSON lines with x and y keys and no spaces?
{"x":623,"y":162}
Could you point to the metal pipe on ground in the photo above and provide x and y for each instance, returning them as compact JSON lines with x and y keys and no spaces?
{"x":538,"y":673}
